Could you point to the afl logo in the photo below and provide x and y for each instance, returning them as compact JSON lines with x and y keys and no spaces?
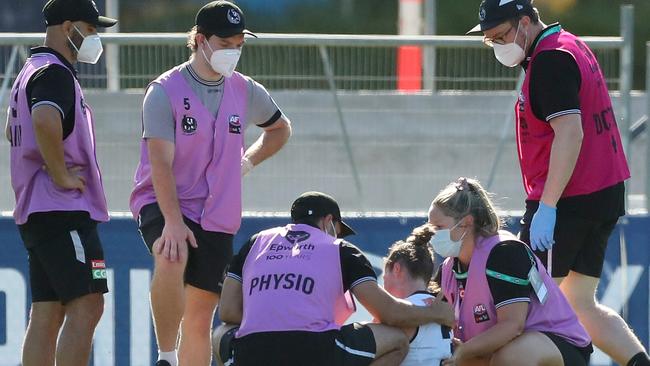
{"x":480,"y":313}
{"x":234,"y":124}
{"x":234,"y":17}
{"x":189,"y":125}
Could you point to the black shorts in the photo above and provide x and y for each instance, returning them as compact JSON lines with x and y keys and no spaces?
{"x":572,"y":355}
{"x":352,"y":345}
{"x":206,"y":265}
{"x":66,"y":259}
{"x":580,"y":242}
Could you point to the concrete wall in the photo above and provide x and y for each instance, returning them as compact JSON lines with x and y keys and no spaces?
{"x":405,"y":147}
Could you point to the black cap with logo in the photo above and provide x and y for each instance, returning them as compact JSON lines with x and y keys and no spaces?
{"x":223,"y":19}
{"x":58,"y":11}
{"x":317,"y":205}
{"x":494,"y":12}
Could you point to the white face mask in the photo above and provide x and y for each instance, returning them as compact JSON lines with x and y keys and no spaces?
{"x":443,"y":245}
{"x":91,"y":48}
{"x":510,"y":54}
{"x":223,"y":61}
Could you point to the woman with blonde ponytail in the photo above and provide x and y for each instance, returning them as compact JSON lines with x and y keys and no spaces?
{"x":509,"y":311}
{"x":407,"y":275}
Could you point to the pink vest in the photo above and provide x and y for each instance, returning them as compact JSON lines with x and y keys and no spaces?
{"x":207,"y":156}
{"x":601,"y":162}
{"x":476,"y":313}
{"x":292,"y":282}
{"x":33,"y":188}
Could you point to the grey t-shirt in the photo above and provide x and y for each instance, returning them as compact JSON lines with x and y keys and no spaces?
{"x":158,"y":119}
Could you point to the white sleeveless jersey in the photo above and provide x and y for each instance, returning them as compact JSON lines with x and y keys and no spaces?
{"x":432,"y":342}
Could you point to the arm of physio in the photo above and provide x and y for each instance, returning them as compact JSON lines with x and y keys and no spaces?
{"x":360,"y":279}
{"x":396,"y":312}
{"x":231,"y":306}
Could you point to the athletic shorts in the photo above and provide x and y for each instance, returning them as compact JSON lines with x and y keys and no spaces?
{"x":572,"y":355}
{"x":352,"y":345}
{"x":580,"y":243}
{"x":206,"y":265}
{"x":66,"y":259}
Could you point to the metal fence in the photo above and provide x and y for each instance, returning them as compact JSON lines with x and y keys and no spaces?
{"x":298,"y":62}
{"x":355,"y":135}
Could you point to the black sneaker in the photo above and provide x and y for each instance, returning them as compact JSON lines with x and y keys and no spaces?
{"x":163,"y":363}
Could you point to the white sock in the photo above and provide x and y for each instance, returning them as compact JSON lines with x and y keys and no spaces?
{"x":169,"y":357}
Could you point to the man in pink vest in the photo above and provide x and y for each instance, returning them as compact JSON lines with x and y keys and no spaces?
{"x":187,"y":194}
{"x":58,"y":187}
{"x":289,"y":289}
{"x":572,"y":161}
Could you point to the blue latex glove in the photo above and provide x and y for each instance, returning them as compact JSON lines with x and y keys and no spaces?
{"x":542,"y":227}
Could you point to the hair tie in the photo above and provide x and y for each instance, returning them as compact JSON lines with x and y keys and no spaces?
{"x":461,"y":184}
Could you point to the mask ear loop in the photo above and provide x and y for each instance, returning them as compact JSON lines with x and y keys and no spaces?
{"x":463,"y":237}
{"x":72,"y":43}
{"x":79,"y":31}
{"x":525,"y":43}
{"x":517,"y":32}
{"x":325,"y":229}
{"x":203,"y":52}
{"x":455,"y":226}
{"x":333,"y":229}
{"x":525,"y":35}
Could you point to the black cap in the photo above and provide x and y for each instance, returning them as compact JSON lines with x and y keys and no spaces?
{"x":317,"y":205}
{"x":58,"y":11}
{"x":494,"y":12}
{"x":223,"y":19}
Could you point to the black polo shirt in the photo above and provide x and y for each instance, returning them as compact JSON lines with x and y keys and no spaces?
{"x":54,"y":85}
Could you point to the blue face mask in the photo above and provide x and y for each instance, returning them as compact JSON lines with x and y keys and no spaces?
{"x":442,"y":243}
